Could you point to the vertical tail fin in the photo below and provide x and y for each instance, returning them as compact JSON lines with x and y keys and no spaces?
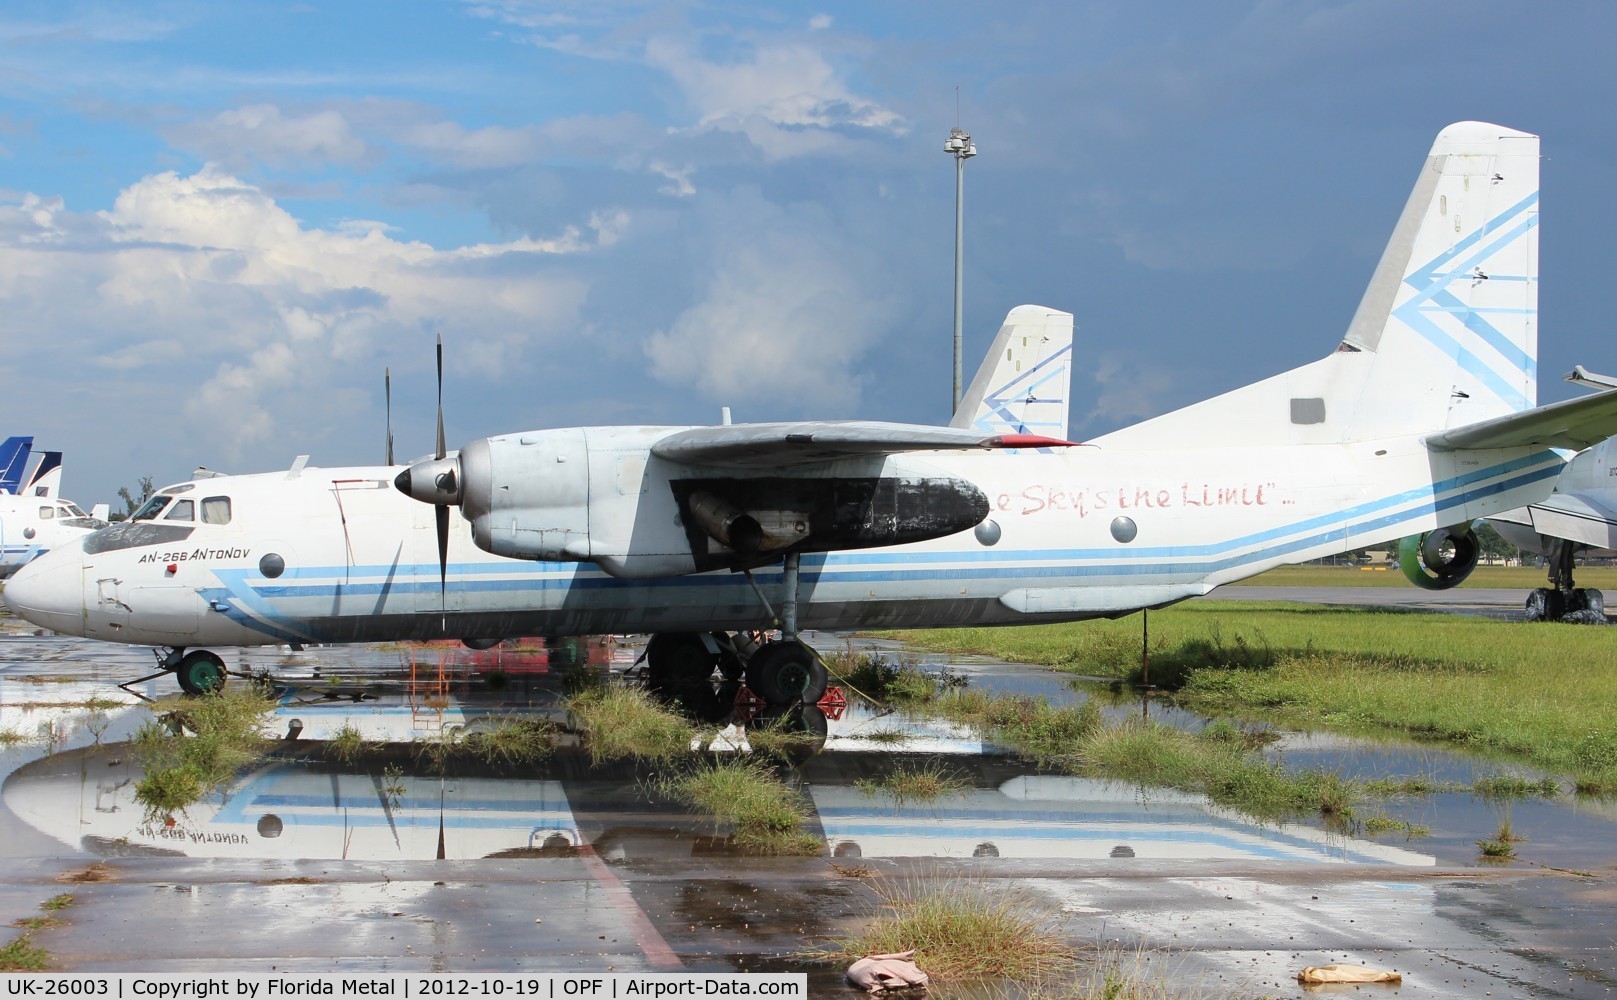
{"x":1025,"y":380}
{"x":45,"y":478}
{"x":13,"y":461}
{"x":1445,"y":335}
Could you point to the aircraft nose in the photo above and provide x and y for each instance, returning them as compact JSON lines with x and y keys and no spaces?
{"x":49,"y":591}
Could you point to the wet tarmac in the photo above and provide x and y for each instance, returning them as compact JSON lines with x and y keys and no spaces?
{"x":396,"y":864}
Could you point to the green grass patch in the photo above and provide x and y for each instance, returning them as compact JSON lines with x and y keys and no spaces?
{"x":511,"y":740}
{"x":1034,"y":727}
{"x":221,"y":733}
{"x":1544,"y":694}
{"x":38,"y":923}
{"x":1377,"y":826}
{"x":60,"y":901}
{"x":10,"y":737}
{"x":1501,"y":785}
{"x":1152,"y":753}
{"x":961,"y":931}
{"x":347,"y":744}
{"x":620,"y":723}
{"x":765,"y":816}
{"x":914,"y":782}
{"x":20,"y":955}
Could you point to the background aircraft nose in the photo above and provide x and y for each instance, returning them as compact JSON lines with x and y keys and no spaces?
{"x":49,"y":591}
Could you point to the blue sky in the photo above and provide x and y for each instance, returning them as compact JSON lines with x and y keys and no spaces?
{"x":219,"y":222}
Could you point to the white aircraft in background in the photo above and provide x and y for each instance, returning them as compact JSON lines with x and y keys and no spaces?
{"x":33,"y":520}
{"x":1421,"y":419}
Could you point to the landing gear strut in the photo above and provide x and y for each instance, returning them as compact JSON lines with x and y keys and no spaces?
{"x":1563,"y":600}
{"x":680,"y":665}
{"x":786,"y":672}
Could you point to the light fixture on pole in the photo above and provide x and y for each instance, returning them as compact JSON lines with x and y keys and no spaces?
{"x":962,"y":147}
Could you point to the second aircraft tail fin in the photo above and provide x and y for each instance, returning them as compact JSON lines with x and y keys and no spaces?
{"x":1025,"y":381}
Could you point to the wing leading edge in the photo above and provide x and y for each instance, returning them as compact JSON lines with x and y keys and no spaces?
{"x":774,"y":445}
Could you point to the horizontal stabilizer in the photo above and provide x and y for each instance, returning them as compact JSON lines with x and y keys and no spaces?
{"x":772,"y":445}
{"x":1574,"y":423}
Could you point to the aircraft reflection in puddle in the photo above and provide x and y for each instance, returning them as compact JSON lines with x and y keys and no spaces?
{"x":1056,"y":816}
{"x":294,"y":809}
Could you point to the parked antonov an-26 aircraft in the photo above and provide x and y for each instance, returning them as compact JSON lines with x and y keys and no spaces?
{"x":1421,"y":419}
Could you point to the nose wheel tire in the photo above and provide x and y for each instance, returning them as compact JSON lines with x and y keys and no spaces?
{"x":786,"y":673}
{"x":200,"y":672}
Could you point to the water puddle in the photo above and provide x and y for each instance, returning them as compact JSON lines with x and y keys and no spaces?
{"x":70,"y":773}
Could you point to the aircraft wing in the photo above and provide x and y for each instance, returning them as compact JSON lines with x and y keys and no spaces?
{"x":780,"y":444}
{"x":1574,"y":423}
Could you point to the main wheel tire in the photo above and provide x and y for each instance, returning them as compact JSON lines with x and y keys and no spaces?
{"x":1537,"y":604}
{"x":200,"y":672}
{"x":1589,"y":599}
{"x":786,"y":673}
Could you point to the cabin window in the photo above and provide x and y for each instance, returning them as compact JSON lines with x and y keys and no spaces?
{"x":46,"y":513}
{"x":216,"y":510}
{"x":183,"y":510}
{"x":151,"y":508}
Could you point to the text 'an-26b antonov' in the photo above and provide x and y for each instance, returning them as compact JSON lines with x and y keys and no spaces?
{"x":1420,"y":419}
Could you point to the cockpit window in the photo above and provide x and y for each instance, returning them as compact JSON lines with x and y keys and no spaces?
{"x":183,"y":510}
{"x":46,"y":513}
{"x":73,"y":510}
{"x":216,"y":510}
{"x":151,"y":508}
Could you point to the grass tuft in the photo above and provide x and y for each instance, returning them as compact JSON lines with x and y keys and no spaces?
{"x":765,"y":816}
{"x":1501,"y":786}
{"x":199,"y":750}
{"x":622,"y":722}
{"x":511,"y":740}
{"x":926,"y":782}
{"x":959,"y":932}
{"x":20,"y":955}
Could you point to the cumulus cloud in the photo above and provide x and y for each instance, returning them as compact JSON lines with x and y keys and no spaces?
{"x":785,"y":83}
{"x":205,"y":282}
{"x":785,"y":318}
{"x":268,"y":135}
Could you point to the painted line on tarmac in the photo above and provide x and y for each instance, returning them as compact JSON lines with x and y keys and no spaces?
{"x":646,"y":936}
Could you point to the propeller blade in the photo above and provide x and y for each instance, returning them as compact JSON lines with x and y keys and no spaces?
{"x":442,"y":451}
{"x":442,"y":514}
{"x":387,"y":394}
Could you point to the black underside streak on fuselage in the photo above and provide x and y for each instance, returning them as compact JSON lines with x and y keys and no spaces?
{"x":841,"y":512}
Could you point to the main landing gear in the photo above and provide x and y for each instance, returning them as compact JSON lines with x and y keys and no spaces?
{"x":1563,"y":600}
{"x":198,"y":671}
{"x":781,"y":672}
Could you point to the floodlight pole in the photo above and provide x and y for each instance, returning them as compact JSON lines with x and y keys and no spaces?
{"x":961,"y":146}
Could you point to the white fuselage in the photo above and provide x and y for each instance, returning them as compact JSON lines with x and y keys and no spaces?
{"x":31,"y":526}
{"x":358,"y":560}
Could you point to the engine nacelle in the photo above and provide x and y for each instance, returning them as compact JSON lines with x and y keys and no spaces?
{"x":1439,"y":559}
{"x":546,"y":515}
